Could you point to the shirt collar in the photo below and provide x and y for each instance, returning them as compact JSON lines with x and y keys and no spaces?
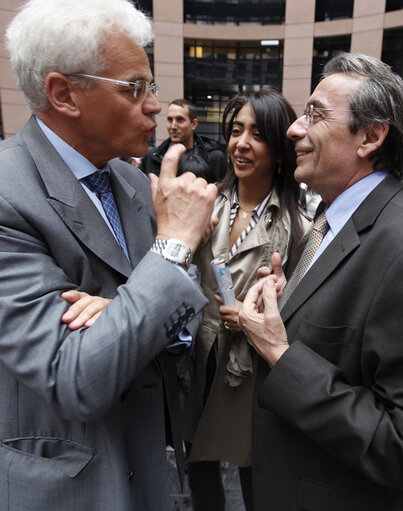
{"x":341,"y":209}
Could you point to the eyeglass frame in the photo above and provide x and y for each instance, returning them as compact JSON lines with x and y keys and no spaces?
{"x":153,"y":87}
{"x":309,"y":115}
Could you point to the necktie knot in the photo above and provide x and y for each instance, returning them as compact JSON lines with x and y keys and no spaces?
{"x":98,"y":182}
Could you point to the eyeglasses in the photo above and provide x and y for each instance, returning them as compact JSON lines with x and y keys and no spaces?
{"x":313,"y":112}
{"x":140,"y":87}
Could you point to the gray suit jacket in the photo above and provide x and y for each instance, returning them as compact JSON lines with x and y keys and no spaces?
{"x":82,"y":413}
{"x":328,"y":420}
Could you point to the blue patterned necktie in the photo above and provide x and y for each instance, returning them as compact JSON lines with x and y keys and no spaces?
{"x":99,"y":184}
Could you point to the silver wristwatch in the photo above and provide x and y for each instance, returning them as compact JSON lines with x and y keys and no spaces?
{"x":174,"y":251}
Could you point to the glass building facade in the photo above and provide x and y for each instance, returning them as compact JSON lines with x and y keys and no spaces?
{"x":393,"y":5}
{"x":209,"y":50}
{"x":324,"y":48}
{"x":392,"y":49}
{"x":217,"y":70}
{"x":263,"y":12}
{"x":327,"y":10}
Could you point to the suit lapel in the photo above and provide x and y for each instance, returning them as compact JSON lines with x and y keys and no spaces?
{"x":70,"y":201}
{"x":343,"y":244}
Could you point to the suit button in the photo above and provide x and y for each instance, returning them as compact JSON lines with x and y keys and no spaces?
{"x":171,"y":332}
{"x":190,"y":312}
{"x":131,"y":475}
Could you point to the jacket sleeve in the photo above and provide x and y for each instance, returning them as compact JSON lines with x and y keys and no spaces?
{"x":360,"y":425}
{"x":81,"y":373}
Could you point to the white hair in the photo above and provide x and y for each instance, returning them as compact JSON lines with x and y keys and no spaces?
{"x":67,"y":36}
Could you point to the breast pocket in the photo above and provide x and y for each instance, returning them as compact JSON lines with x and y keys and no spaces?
{"x":336,"y":343}
{"x":321,"y":334}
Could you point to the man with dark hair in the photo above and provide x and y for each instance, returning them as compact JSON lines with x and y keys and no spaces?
{"x":328,"y":414}
{"x":181,"y":124}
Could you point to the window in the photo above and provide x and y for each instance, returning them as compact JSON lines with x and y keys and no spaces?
{"x":215,"y":71}
{"x":327,"y":10}
{"x":324,"y":48}
{"x":144,"y":5}
{"x":235,"y":12}
{"x":392,"y":49}
{"x":393,"y":5}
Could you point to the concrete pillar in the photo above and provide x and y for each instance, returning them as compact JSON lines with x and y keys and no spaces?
{"x":168,"y":56}
{"x":298,"y":46}
{"x":14,"y":111}
{"x":368,"y":21}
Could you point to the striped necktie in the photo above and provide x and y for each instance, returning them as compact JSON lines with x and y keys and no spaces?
{"x":99,"y":184}
{"x":319,"y":229}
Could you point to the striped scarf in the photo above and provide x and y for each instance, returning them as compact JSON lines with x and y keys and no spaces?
{"x":257,"y":213}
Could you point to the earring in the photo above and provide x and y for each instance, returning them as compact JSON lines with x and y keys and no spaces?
{"x":279,"y":167}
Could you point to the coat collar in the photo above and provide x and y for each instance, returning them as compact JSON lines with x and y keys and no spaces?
{"x":69,"y":200}
{"x":220,"y":237}
{"x":344,"y":243}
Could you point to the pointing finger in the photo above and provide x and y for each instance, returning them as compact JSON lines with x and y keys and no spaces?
{"x":169,"y":166}
{"x":276,"y":264}
{"x":153,"y":184}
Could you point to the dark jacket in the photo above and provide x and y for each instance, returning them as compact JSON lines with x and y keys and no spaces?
{"x":208,"y":149}
{"x":328,"y":418}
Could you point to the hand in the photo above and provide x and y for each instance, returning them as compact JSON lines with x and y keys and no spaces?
{"x":85,"y":309}
{"x":229,"y":315}
{"x":276,"y":274}
{"x":210,"y":229}
{"x":264,"y":328}
{"x":183,"y":205}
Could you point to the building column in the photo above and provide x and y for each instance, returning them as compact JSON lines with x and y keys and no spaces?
{"x":14,"y":110}
{"x":368,"y":20}
{"x":168,"y":57}
{"x":298,"y":46}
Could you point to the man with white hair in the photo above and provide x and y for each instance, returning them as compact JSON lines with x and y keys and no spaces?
{"x":86,"y":413}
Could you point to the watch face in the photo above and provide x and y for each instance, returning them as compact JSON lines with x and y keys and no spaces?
{"x":177,"y":252}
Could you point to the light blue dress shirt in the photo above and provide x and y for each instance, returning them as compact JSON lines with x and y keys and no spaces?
{"x":341,"y":209}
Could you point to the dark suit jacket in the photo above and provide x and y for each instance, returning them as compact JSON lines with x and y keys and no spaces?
{"x":82,"y":424}
{"x":328,"y":419}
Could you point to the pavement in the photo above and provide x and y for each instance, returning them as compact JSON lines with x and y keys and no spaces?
{"x":181,"y":501}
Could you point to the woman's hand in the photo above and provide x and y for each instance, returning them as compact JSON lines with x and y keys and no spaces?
{"x":209,"y":230}
{"x":229,"y":315}
{"x":276,"y":274}
{"x":85,"y":309}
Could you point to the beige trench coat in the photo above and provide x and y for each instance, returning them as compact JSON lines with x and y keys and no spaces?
{"x":221,"y":430}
